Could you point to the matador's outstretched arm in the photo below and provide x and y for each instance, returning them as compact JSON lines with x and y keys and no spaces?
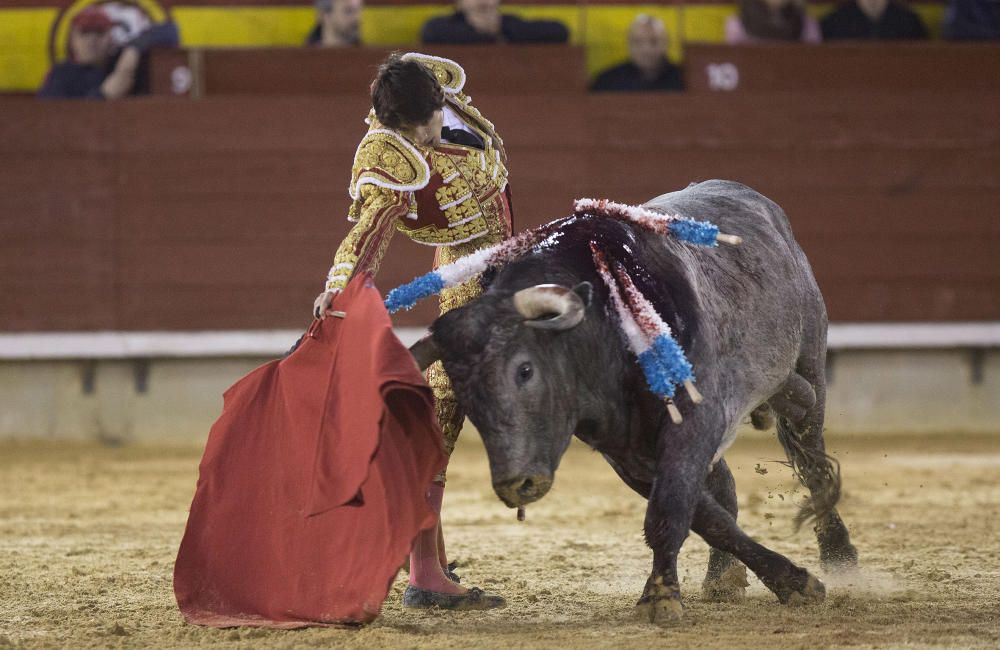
{"x":363,"y":248}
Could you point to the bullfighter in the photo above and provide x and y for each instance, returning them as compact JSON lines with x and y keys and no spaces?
{"x":434,"y":168}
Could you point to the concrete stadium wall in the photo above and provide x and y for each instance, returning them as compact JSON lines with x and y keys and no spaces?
{"x":176,"y":400}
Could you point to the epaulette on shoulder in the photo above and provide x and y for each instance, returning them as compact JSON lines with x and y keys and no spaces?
{"x":449,"y":74}
{"x":385,"y":159}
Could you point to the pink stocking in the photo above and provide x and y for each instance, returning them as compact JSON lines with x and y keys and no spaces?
{"x":425,"y":563}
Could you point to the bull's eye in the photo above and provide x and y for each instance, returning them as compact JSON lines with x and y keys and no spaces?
{"x":524,"y":372}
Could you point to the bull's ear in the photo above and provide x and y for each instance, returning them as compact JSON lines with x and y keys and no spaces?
{"x":464,"y":331}
{"x":425,"y":352}
{"x":586,"y":292}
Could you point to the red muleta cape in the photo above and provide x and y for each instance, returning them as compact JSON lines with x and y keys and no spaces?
{"x":312,"y":487}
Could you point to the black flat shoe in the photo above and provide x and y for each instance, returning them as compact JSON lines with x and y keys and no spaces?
{"x":475,"y":598}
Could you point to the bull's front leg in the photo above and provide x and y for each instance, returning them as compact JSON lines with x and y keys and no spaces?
{"x":680,"y":478}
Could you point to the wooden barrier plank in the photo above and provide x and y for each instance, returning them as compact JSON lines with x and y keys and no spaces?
{"x":852,"y":257}
{"x":228,"y":125}
{"x":215,"y":173}
{"x":892,"y":171}
{"x":220,"y":264}
{"x":56,"y":262}
{"x":891,"y":216}
{"x":168,"y":216}
{"x":54,"y":127}
{"x":910,"y":300}
{"x":349,"y":71}
{"x":33,"y":307}
{"x":842,"y":66}
{"x":34,"y":214}
{"x":71,"y":172}
{"x":787,"y":119}
{"x":224,"y":213}
{"x":204,"y":307}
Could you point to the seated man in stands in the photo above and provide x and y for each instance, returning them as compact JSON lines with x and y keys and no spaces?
{"x":972,"y":20}
{"x":480,"y":21}
{"x":338,"y":23}
{"x":872,"y":20}
{"x":648,"y":67}
{"x":97,"y":67}
{"x":772,"y":20}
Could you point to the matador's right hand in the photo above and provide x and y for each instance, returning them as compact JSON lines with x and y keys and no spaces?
{"x":322,"y":304}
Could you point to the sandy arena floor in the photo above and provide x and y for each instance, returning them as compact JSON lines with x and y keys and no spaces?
{"x":88,"y":536}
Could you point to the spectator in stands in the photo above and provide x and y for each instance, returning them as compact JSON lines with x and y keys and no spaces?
{"x":480,"y":21}
{"x":648,"y":67}
{"x":972,"y":20}
{"x":872,"y":19}
{"x":772,"y":20}
{"x":97,"y":67}
{"x":338,"y":23}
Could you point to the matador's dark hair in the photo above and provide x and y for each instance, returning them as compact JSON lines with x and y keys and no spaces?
{"x":405,"y":93}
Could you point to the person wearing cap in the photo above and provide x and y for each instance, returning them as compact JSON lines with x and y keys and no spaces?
{"x":433,"y":168}
{"x":338,"y":24}
{"x":97,"y":67}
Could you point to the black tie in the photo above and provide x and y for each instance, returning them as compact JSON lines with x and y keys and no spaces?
{"x":459,"y":136}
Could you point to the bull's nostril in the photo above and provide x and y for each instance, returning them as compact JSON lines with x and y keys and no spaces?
{"x":523,"y":489}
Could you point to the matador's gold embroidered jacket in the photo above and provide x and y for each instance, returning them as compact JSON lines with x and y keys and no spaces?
{"x":451,"y":196}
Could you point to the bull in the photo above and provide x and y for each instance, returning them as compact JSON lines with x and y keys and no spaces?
{"x":532,"y":367}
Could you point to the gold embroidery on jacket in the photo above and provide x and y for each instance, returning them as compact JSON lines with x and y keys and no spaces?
{"x":385,"y":159}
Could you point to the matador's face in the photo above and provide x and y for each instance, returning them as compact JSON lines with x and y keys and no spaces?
{"x":429,"y":133}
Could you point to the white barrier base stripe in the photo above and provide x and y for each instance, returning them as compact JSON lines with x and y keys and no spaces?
{"x":913,"y":335}
{"x":272,"y":343}
{"x":132,"y":345}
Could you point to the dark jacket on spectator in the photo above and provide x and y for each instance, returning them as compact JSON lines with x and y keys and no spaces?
{"x":72,"y":80}
{"x":849,"y":22}
{"x":454,"y":29}
{"x":315,"y":37}
{"x":972,"y":20}
{"x":628,"y":78}
{"x":69,"y":80}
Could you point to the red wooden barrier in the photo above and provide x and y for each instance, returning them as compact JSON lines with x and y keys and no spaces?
{"x":224,"y":213}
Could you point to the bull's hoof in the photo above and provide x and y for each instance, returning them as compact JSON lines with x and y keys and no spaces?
{"x":661,"y":611}
{"x":730,"y":587}
{"x":813,"y":592}
{"x":660,"y":603}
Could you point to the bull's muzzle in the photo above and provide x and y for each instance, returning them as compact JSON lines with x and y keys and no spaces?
{"x":522,"y":490}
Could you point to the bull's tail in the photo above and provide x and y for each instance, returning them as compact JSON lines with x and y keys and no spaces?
{"x":814,"y":468}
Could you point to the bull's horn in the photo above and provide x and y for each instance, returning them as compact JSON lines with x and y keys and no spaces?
{"x":425,"y":352}
{"x":565,"y":304}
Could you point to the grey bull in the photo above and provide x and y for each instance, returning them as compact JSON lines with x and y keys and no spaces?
{"x":532,"y":373}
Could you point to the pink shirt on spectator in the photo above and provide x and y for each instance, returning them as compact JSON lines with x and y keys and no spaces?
{"x":737,"y":35}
